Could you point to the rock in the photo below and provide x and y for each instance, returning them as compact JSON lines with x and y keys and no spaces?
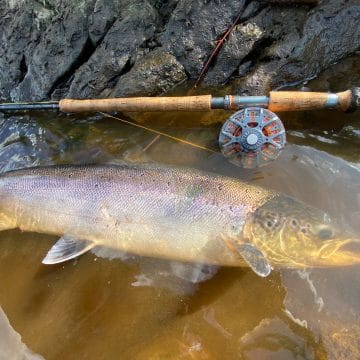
{"x":61,"y":47}
{"x":154,"y":74}
{"x":193,"y":28}
{"x":317,"y":301}
{"x":251,"y":9}
{"x":241,"y":42}
{"x":164,"y":8}
{"x":25,"y":143}
{"x":124,"y":44}
{"x":20,"y":29}
{"x":105,"y":13}
{"x":93,"y":48}
{"x":327,"y":35}
{"x":11,"y":345}
{"x":275,"y":339}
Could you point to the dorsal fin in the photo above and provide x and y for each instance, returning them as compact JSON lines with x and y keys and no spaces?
{"x":66,"y":248}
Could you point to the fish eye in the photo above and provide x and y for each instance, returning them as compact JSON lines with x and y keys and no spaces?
{"x":325,"y":234}
{"x":269,"y":223}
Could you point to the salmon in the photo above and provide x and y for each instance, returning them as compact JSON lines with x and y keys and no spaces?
{"x":172,"y":213}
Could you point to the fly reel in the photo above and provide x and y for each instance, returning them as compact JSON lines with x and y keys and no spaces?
{"x":252,"y":137}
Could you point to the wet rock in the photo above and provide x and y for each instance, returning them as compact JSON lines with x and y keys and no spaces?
{"x":327,"y":308}
{"x":352,"y":132}
{"x":126,"y":42}
{"x":193,"y":28}
{"x":24,"y":143}
{"x":103,"y":17}
{"x":327,"y":35}
{"x":275,"y":339}
{"x":244,"y":68}
{"x":20,"y":28}
{"x":61,"y":47}
{"x":11,"y":345}
{"x":251,"y":9}
{"x":164,"y":8}
{"x":93,"y":48}
{"x":241,"y":42}
{"x":154,"y":74}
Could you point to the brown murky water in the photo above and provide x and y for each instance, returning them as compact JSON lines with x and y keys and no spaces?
{"x":136,"y":308}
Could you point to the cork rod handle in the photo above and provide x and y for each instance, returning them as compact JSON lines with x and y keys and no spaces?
{"x":183,"y":103}
{"x":298,"y":100}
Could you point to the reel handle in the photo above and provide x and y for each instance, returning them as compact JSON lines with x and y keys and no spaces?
{"x":298,"y":100}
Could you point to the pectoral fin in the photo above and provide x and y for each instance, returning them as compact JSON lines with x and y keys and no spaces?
{"x":255,"y":259}
{"x":66,"y":248}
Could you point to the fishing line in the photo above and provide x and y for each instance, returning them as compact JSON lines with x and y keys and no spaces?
{"x":160,"y":133}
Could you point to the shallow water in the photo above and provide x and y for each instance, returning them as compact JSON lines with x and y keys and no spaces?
{"x":137,"y":308}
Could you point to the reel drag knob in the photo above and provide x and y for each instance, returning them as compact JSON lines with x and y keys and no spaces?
{"x":252,"y":137}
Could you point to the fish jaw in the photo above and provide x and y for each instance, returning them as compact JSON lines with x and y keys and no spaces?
{"x":340,"y":252}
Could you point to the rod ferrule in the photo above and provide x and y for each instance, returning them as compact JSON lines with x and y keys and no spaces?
{"x":332,"y":101}
{"x":231,"y":102}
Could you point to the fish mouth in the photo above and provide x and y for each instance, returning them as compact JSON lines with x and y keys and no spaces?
{"x":340,"y":252}
{"x":352,"y":246}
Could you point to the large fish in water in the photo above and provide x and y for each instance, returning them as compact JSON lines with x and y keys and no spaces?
{"x":171,"y":213}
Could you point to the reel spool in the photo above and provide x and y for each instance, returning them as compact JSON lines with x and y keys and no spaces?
{"x":252,"y":137}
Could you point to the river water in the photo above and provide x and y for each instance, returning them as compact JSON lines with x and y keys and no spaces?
{"x":101,"y":307}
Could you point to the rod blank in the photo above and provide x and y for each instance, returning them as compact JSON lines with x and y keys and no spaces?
{"x":29,"y":106}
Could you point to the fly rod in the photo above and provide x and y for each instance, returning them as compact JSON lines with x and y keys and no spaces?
{"x":251,"y":137}
{"x":276,"y":101}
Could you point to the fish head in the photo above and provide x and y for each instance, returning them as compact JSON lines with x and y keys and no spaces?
{"x":293,"y":234}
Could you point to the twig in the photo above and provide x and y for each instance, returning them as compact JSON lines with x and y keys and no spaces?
{"x":219,"y":44}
